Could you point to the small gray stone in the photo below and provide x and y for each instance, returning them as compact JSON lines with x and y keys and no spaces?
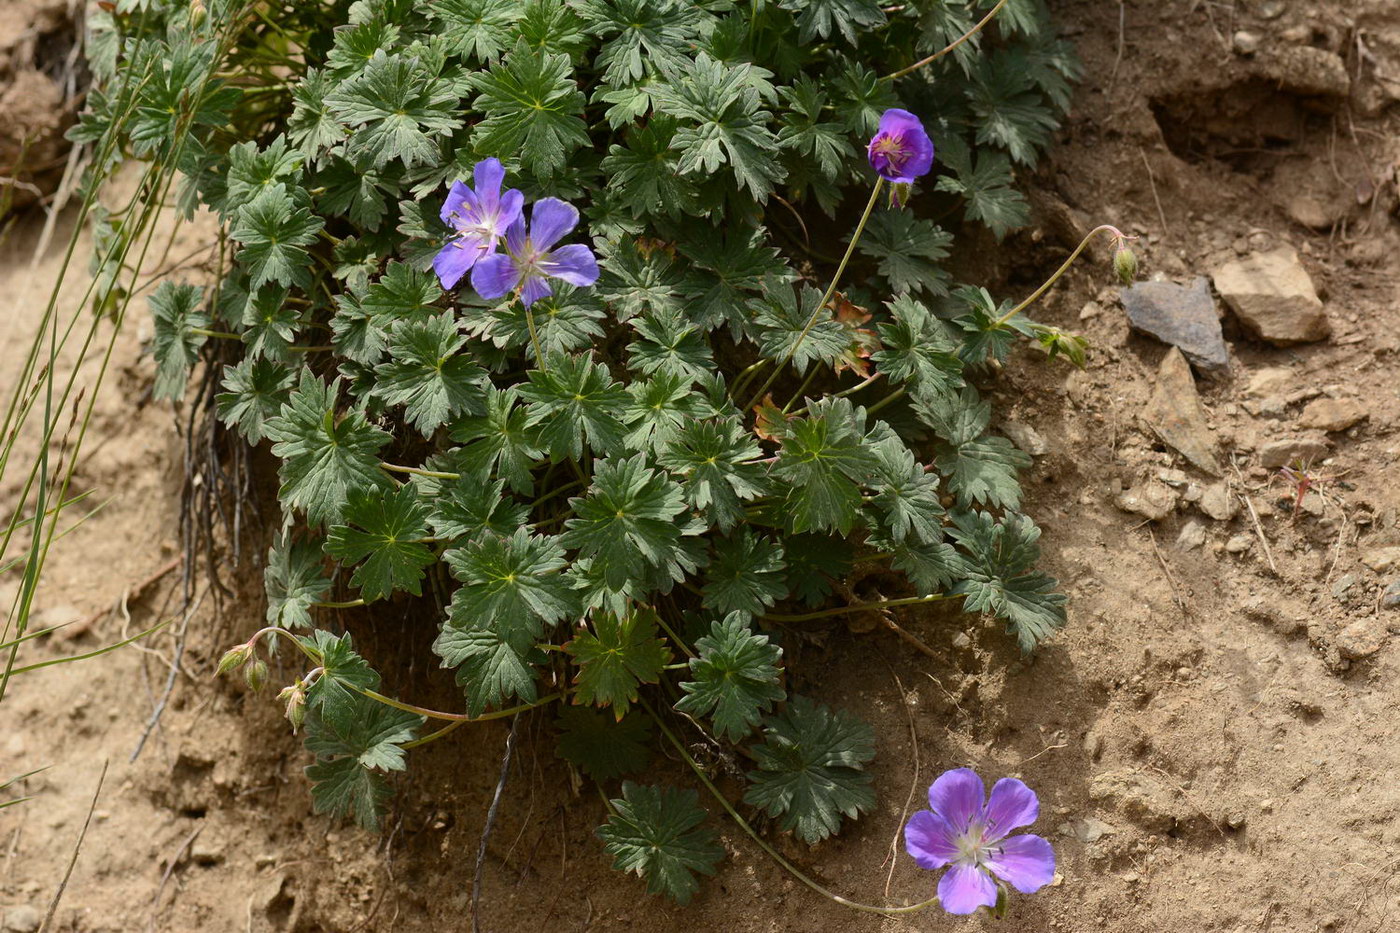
{"x":1333,"y":414}
{"x":1343,"y":588}
{"x":1280,"y":453}
{"x":1026,"y":438}
{"x":1192,"y":536}
{"x":961,"y":640}
{"x":1174,"y":412}
{"x":1246,"y":42}
{"x":1269,"y":381}
{"x":1312,"y":213}
{"x":1381,"y":559}
{"x":1152,"y":500}
{"x":1239,"y":544}
{"x":1390,"y":599}
{"x":22,"y":919}
{"x":1182,"y":316}
{"x":1273,"y":296}
{"x":1217,"y":503}
{"x":1361,"y":639}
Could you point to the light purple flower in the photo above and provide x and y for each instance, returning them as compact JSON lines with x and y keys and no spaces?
{"x":901,"y":151}
{"x":479,"y":217}
{"x":530,"y":260}
{"x":971,"y":837}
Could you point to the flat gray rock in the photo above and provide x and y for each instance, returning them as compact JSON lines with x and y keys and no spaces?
{"x":1182,"y":316}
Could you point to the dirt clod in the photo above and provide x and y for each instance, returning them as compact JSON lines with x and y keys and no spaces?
{"x":1333,"y":414}
{"x":1361,"y":639}
{"x":1274,"y":297}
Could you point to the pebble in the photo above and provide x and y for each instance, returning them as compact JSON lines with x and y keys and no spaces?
{"x":1217,"y":503}
{"x":1333,"y":414}
{"x":1175,"y":414}
{"x":1311,"y":213}
{"x":1361,"y":639}
{"x":1246,"y":42}
{"x":1192,"y":536}
{"x":1152,"y":500}
{"x":1026,"y":438}
{"x":1273,"y":296}
{"x":1270,"y":381}
{"x":961,"y":640}
{"x":1390,"y":599}
{"x":1381,"y":559}
{"x":1182,"y":316}
{"x":1239,"y":543}
{"x":22,"y":919}
{"x":1280,"y":453}
{"x":1342,"y":589}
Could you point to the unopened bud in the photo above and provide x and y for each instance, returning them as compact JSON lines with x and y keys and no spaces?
{"x":256,"y":674}
{"x":1125,"y":264}
{"x":899,"y":194}
{"x":197,"y":12}
{"x":295,"y":698}
{"x":234,"y":657}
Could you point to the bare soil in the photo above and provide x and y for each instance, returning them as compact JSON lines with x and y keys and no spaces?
{"x":1213,"y":735}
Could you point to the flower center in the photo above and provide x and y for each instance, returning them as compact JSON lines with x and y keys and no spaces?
{"x":972,"y":849}
{"x":891,"y":147}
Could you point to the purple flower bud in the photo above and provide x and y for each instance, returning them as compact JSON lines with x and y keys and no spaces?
{"x":901,"y":151}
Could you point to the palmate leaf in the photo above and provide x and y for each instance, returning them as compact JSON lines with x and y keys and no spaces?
{"x":746,"y":575}
{"x":811,"y":769}
{"x":386,"y":532}
{"x":999,"y":563}
{"x":552,"y":26}
{"x":656,"y":832}
{"x":533,"y":110}
{"x":907,"y":496}
{"x":274,"y":232}
{"x":312,"y":127}
{"x":254,"y":391}
{"x":715,"y":461}
{"x":781,"y":318}
{"x":639,"y":281}
{"x":722,"y":123}
{"x":251,"y":170}
{"x":640,"y":33}
{"x":270,"y":325}
{"x":295,"y":579}
{"x":909,"y":250}
{"x":643,"y":173}
{"x":621,"y":653}
{"x":477,"y":30}
{"x":978,"y":468}
{"x":357,"y":192}
{"x":564,"y":322}
{"x":823,"y":460}
{"x":343,"y":666}
{"x":323,"y":458}
{"x":987,"y":188}
{"x":492,"y":665}
{"x":471,"y":506}
{"x":861,"y":98}
{"x":626,"y":520}
{"x":660,"y":407}
{"x":427,"y":373}
{"x":354,"y":739}
{"x":600,"y":745}
{"x":822,"y":17}
{"x":573,"y":400}
{"x":729,"y":268}
{"x":919,"y":349}
{"x":513,"y":583}
{"x":176,"y":310}
{"x":668,"y":344}
{"x":826,"y":144}
{"x":363,"y":318}
{"x":502,"y":441}
{"x":1007,"y":109}
{"x":397,"y":108}
{"x":736,"y":678}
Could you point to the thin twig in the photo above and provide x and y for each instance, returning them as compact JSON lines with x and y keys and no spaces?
{"x":1259,"y":529}
{"x":491,"y":812}
{"x":1122,"y":41}
{"x":170,"y":679}
{"x":913,"y":781}
{"x":909,"y":637}
{"x":1171,"y":578}
{"x":1152,"y":182}
{"x":77,"y":847}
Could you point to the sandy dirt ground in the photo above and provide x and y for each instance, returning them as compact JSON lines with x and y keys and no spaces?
{"x":1213,"y":735}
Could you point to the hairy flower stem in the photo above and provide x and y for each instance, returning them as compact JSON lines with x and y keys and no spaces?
{"x":1105,"y":228}
{"x":535,"y":339}
{"x":830,"y":291}
{"x":745,"y":377}
{"x":772,"y":853}
{"x":432,"y":474}
{"x":347,"y":604}
{"x":859,"y":607}
{"x":944,"y":51}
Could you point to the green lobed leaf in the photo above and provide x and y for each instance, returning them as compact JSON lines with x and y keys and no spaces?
{"x":176,"y":310}
{"x":384,"y":534}
{"x":999,"y":560}
{"x":626,"y":520}
{"x":656,"y":832}
{"x":532,"y":108}
{"x":294,"y":579}
{"x":736,"y":677}
{"x":745,"y":575}
{"x":616,"y":657}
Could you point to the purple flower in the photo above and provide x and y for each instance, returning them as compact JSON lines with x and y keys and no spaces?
{"x":479,"y":217}
{"x":971,"y":836}
{"x":901,"y":151}
{"x":529,"y":261}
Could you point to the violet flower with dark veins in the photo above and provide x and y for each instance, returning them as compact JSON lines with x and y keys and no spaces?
{"x":901,"y":151}
{"x":971,"y":837}
{"x":480,"y":218}
{"x":531,"y":260}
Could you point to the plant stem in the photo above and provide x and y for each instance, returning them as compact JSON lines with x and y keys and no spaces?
{"x":745,"y":377}
{"x":348,"y":604}
{"x":940,"y":53}
{"x":864,"y":383}
{"x":830,"y":290}
{"x":807,"y":380}
{"x":1105,"y":228}
{"x":433,"y":474}
{"x":762,"y":843}
{"x":535,"y":339}
{"x":220,"y":334}
{"x":897,"y":393}
{"x":450,"y":717}
{"x":858,"y":607}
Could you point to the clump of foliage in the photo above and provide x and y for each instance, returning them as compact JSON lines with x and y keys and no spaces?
{"x":591,"y":507}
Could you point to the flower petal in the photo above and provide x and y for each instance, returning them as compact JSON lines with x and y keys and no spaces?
{"x":957,"y":797}
{"x":512,"y":204}
{"x":930,"y":840}
{"x":1011,"y":806}
{"x":454,"y":209}
{"x":1025,"y":862}
{"x":965,"y":888}
{"x":536,"y":287}
{"x":898,"y":122}
{"x":495,"y":276}
{"x":515,"y":235}
{"x":574,"y":264}
{"x":453,"y":261}
{"x":921,"y":154}
{"x":489,"y":173}
{"x":550,"y":219}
